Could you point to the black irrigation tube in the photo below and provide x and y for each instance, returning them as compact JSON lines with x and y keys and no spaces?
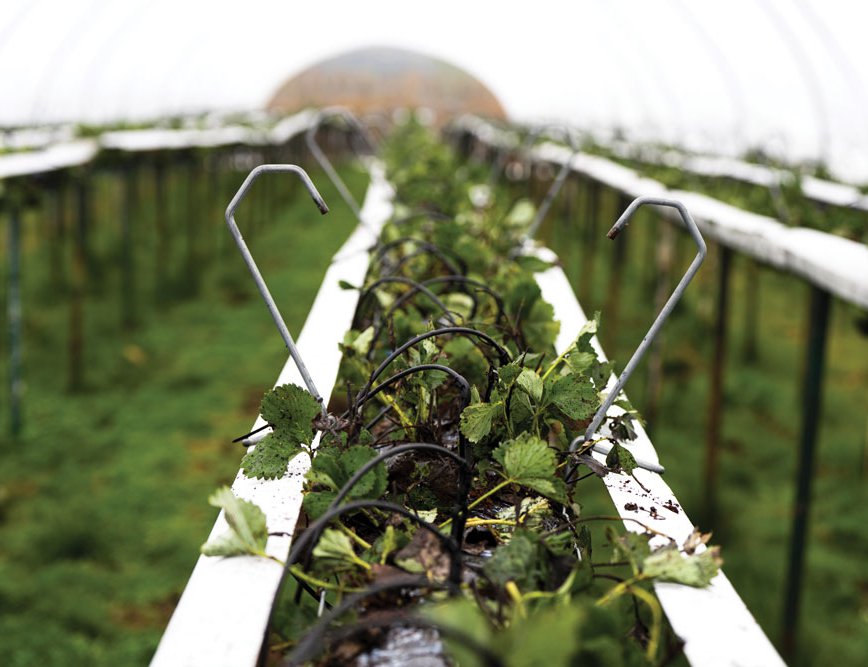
{"x":313,"y":532}
{"x":458,"y":266}
{"x":488,"y":658}
{"x":502,"y":352}
{"x":309,"y":644}
{"x":400,"y":300}
{"x":367,"y":291}
{"x":458,"y":280}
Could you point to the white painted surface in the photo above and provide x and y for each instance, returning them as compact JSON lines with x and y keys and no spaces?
{"x":222,"y":616}
{"x":714,"y":623}
{"x":59,"y":156}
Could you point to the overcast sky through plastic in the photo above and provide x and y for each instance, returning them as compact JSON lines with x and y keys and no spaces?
{"x":791,"y":75}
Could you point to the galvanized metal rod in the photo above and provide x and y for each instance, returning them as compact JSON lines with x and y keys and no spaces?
{"x":254,"y":270}
{"x":661,"y":317}
{"x":812,"y":400}
{"x":325,"y":163}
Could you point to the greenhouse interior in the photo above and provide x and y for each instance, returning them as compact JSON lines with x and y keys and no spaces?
{"x":466,"y":334}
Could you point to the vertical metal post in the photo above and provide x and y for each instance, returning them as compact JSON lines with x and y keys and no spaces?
{"x":56,"y":226}
{"x":750,"y":349}
{"x":13,"y":307}
{"x":715,"y":394}
{"x":79,"y":277}
{"x":588,"y":253}
{"x":161,"y":258}
{"x":128,"y":287}
{"x":811,"y":409}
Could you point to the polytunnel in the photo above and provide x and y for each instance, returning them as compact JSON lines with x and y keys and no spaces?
{"x":571,"y":360}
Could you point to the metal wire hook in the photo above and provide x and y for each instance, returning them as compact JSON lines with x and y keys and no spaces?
{"x":325,"y":163}
{"x":658,"y":323}
{"x":254,"y":270}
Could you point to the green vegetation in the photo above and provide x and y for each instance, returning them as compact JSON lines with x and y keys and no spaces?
{"x":101,"y":498}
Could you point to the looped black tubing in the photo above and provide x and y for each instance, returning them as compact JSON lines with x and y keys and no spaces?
{"x":400,"y":449}
{"x":502,"y":352}
{"x":406,"y":281}
{"x":433,"y":248}
{"x":314,"y":530}
{"x":488,"y":658}
{"x":309,"y":643}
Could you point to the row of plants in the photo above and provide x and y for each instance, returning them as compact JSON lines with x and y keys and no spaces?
{"x":786,"y":203}
{"x":442,"y":513}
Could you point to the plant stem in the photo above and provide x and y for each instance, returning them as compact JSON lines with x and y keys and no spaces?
{"x":485,"y":495}
{"x":319,"y":583}
{"x":623,"y":518}
{"x":557,"y":362}
{"x":351,"y":534}
{"x":490,"y":522}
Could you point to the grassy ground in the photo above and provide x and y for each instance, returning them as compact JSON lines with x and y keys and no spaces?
{"x":103,"y":497}
{"x":762,"y":421}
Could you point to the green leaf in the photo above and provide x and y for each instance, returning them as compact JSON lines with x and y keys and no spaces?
{"x":362,"y":343}
{"x":539,"y":326}
{"x":530,"y":462}
{"x":575,"y":396}
{"x":343,"y":284}
{"x":270,"y":457}
{"x":335,"y":547}
{"x":373,"y":484}
{"x":248,"y":532}
{"x":526,"y":456}
{"x":316,"y":503}
{"x":476,"y":420}
{"x":668,"y":564}
{"x":579,"y":362}
{"x":522,"y":560}
{"x":290,"y":410}
{"x":620,"y":458}
{"x":531,"y":383}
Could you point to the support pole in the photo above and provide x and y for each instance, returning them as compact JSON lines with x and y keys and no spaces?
{"x":811,"y":408}
{"x":13,"y":306}
{"x":128,"y":270}
{"x":715,"y":394}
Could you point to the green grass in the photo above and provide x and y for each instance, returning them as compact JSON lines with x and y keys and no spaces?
{"x":762,"y":422}
{"x":103,"y":498}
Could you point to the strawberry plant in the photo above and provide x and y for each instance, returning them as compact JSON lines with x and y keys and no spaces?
{"x":442,"y":507}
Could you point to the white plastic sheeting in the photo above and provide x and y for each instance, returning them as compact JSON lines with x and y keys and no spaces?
{"x":790,"y":76}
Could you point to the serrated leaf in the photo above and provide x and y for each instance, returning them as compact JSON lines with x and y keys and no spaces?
{"x":579,"y":362}
{"x":335,"y":547}
{"x":522,"y":560}
{"x":620,"y":458}
{"x":508,"y":373}
{"x":575,"y":396}
{"x":248,"y":532}
{"x":526,"y":456}
{"x":476,"y":420}
{"x":531,"y":383}
{"x":316,"y":503}
{"x":539,"y":326}
{"x":530,"y":462}
{"x":373,"y":484}
{"x":668,"y":564}
{"x":290,"y":410}
{"x":362,"y":342}
{"x":270,"y":457}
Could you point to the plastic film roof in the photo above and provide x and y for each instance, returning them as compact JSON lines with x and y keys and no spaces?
{"x":788,"y":76}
